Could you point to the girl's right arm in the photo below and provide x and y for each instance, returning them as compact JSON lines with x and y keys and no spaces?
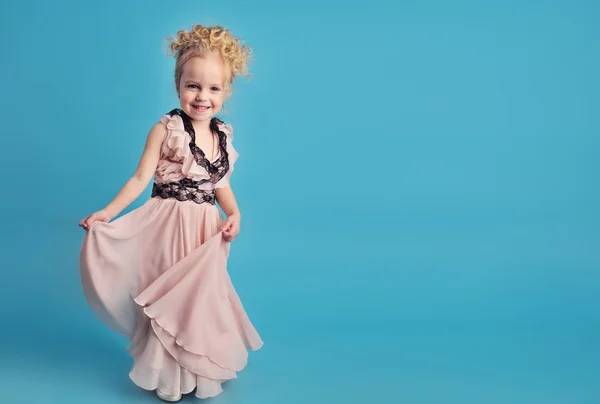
{"x":137,"y":183}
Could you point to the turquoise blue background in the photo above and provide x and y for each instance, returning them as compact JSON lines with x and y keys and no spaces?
{"x":418,"y":181}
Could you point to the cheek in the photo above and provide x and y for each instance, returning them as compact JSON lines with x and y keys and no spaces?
{"x":186,"y":95}
{"x":218,"y":100}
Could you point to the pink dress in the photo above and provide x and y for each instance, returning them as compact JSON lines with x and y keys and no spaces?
{"x":158,"y":275}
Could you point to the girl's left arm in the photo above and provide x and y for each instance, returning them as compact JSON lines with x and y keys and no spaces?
{"x":227,"y":202}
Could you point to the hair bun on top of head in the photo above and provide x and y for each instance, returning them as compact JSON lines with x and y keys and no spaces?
{"x":202,"y":39}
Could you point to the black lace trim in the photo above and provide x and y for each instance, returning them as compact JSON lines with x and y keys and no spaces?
{"x":219,"y":168}
{"x":184,"y":190}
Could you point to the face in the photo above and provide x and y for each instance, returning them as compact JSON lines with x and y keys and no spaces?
{"x":201,"y":88}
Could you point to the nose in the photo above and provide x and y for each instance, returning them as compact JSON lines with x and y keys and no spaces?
{"x":201,"y":95}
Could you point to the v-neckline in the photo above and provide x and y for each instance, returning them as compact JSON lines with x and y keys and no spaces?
{"x":213,"y":126}
{"x":214,"y":160}
{"x":193,"y":136}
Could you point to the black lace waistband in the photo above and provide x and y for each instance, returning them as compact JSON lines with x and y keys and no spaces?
{"x":184,"y":190}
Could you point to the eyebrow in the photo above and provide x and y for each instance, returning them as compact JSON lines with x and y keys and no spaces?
{"x":188,"y":81}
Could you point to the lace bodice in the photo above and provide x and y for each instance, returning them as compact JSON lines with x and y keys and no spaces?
{"x":184,"y":172}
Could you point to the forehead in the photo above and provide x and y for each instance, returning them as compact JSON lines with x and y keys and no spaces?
{"x":204,"y":68}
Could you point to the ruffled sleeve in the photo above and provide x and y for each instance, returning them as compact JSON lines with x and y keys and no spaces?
{"x":232,"y":153}
{"x":176,"y":146}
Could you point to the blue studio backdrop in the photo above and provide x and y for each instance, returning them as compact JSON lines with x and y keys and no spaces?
{"x":418,"y":183}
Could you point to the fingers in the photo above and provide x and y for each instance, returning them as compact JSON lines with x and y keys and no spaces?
{"x":87,"y":222}
{"x":231,"y":233}
{"x":231,"y":230}
{"x":100,"y":216}
{"x":83,"y":222}
{"x":227,"y":225}
{"x":228,"y":238}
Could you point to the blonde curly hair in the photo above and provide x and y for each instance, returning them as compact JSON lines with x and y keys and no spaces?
{"x":201,"y":40}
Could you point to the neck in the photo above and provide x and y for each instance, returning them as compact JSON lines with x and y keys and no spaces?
{"x":201,"y":126}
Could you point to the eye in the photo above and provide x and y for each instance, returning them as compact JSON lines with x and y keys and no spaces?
{"x":215,"y":89}
{"x":192,"y":86}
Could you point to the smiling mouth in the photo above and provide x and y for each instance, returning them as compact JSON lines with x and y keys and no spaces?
{"x":200,"y":108}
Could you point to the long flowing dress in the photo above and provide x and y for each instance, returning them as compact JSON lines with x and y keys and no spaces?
{"x":158,"y":275}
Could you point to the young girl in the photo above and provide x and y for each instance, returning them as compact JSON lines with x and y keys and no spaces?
{"x":158,"y":275}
